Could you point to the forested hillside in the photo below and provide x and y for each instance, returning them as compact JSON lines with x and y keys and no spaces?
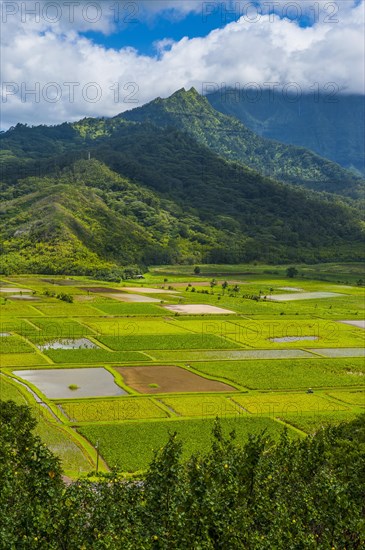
{"x":330,"y":124}
{"x":227,"y":136}
{"x":104,"y":193}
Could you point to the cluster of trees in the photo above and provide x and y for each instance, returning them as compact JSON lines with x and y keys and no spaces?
{"x":302,"y":493}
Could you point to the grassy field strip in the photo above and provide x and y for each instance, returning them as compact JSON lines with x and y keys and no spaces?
{"x":100,"y":344}
{"x":31,"y":324}
{"x":351,"y":397}
{"x":201,"y":406}
{"x":168,"y":408}
{"x":148,"y":355}
{"x":95,"y":356}
{"x":288,"y":425}
{"x":325,"y":334}
{"x":61,"y":309}
{"x":310,"y":423}
{"x":165,"y":342}
{"x":131,"y":446}
{"x":18,"y":326}
{"x":274,"y":404}
{"x":288,"y":374}
{"x":22,"y":360}
{"x":36,"y":310}
{"x":232,"y":355}
{"x":14,"y":344}
{"x":124,"y":327}
{"x":112,"y":410}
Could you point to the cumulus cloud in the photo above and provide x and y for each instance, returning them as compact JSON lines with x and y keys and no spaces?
{"x":52,"y":73}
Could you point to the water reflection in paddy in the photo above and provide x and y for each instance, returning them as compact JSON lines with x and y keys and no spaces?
{"x":55,"y":383}
{"x":69,"y":343}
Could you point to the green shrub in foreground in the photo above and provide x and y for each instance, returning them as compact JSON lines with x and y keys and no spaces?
{"x":261,"y":495}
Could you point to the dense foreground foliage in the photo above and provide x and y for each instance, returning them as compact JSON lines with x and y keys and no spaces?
{"x":294,"y":494}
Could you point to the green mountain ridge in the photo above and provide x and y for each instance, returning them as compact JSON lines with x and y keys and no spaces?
{"x":154,"y":195}
{"x":227,"y":136}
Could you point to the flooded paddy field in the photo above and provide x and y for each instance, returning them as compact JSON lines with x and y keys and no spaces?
{"x":71,"y":383}
{"x":69,"y":343}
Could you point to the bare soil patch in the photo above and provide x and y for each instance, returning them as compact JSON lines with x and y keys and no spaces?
{"x":100,"y":289}
{"x":61,"y":282}
{"x":12,"y":289}
{"x":168,"y":380}
{"x":198,"y":309}
{"x":143,"y":290}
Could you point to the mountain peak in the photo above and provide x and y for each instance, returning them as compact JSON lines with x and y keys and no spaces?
{"x":186,"y":101}
{"x":184,"y":92}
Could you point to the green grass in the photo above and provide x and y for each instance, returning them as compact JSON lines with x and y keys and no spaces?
{"x":334,"y":270}
{"x":356,"y":397}
{"x":127,"y":327}
{"x":94,"y":356}
{"x":18,"y":309}
{"x":276,"y":403}
{"x":130,"y":446}
{"x":8,"y":392}
{"x":126,"y":309}
{"x":258,"y":334}
{"x":14,"y":344}
{"x":311,"y":423}
{"x":166,"y":342}
{"x":59,"y":328}
{"x":112,"y":410}
{"x":21,"y":360}
{"x":288,"y":373}
{"x":66,"y":310}
{"x":21,"y":326}
{"x":223,"y":355}
{"x":202,"y":405}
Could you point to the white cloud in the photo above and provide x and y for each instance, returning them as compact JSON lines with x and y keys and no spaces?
{"x":90,"y":80}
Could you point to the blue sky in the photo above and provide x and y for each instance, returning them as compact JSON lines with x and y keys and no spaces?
{"x":142,"y":33}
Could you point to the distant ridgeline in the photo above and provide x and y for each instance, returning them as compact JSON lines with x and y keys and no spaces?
{"x":330,"y":123}
{"x":172,"y":182}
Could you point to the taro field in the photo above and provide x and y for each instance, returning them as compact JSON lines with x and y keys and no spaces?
{"x":119,"y":366}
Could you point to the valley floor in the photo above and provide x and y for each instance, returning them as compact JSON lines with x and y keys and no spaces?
{"x":116,"y":367}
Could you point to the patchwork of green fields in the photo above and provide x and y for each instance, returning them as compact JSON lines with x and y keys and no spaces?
{"x":290,"y":363}
{"x":288,"y":373}
{"x":115,"y":410}
{"x":130,"y":446}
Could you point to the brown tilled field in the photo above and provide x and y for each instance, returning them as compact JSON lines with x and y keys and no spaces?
{"x":166,"y":379}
